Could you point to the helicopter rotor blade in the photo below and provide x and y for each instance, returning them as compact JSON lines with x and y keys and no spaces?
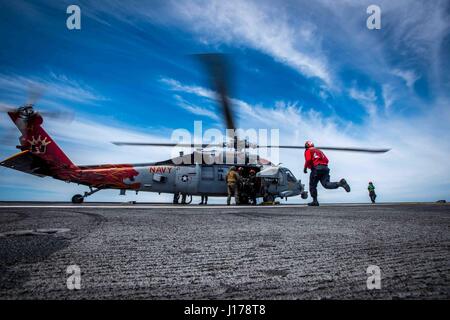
{"x":9,"y":132}
{"x":224,"y":145}
{"x":350,"y":149}
{"x":167,"y":144}
{"x":6,"y":108}
{"x":35,"y":92}
{"x":65,"y":116}
{"x":217,"y":68}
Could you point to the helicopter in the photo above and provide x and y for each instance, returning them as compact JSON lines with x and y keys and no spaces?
{"x":201,"y":172}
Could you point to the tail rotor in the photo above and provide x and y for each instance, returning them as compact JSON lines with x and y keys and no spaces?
{"x":26,"y":112}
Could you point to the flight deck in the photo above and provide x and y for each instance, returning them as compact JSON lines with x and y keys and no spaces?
{"x":163,"y":251}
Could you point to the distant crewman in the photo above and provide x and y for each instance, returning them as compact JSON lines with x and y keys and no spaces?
{"x":372,"y":193}
{"x":252,"y":186}
{"x":232,"y":180}
{"x":317,"y":162}
{"x":176,"y":197}
{"x":242,"y":185}
{"x":204,"y":200}
{"x":241,"y":173}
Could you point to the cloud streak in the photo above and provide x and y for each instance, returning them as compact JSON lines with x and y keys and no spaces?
{"x":253,"y":25}
{"x":58,"y":86}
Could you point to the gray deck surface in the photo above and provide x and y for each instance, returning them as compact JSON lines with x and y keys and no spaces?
{"x":217,"y":252}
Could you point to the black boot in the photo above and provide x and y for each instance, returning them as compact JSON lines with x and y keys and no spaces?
{"x":314,"y":203}
{"x":344,"y":185}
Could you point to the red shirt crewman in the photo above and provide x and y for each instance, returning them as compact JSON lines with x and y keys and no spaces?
{"x":317,"y":162}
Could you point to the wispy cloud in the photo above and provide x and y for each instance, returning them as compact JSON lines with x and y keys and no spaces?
{"x":194,"y":109}
{"x":256,"y":25}
{"x":176,"y":86}
{"x":367,"y":98}
{"x":407,"y":75}
{"x":197,"y":90}
{"x":388,"y":97}
{"x":57,"y":86}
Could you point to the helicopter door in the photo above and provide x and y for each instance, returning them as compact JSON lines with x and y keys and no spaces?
{"x":187,"y":179}
{"x":270,"y":179}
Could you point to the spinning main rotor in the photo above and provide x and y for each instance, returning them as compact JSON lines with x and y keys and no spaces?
{"x":217,"y":69}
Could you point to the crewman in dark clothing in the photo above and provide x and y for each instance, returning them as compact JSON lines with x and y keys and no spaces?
{"x":252,"y":186}
{"x":317,"y":162}
{"x":176,"y":197}
{"x":204,"y":200}
{"x":372,"y":193}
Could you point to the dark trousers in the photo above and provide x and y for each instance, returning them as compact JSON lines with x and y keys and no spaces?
{"x":372,"y":196}
{"x":176,"y":198}
{"x":233,"y":190}
{"x":322,"y":174}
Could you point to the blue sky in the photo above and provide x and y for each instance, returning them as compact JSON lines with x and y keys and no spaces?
{"x":310,"y":69}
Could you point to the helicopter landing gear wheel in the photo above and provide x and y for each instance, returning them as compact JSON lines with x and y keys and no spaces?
{"x":78,"y":198}
{"x":188,"y":196}
{"x":269,"y":198}
{"x":184,"y":198}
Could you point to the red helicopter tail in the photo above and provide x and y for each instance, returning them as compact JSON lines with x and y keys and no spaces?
{"x":36,"y":141}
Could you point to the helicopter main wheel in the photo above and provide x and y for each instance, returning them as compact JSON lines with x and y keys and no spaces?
{"x":190,"y":199}
{"x":269,"y":198}
{"x":78,"y":198}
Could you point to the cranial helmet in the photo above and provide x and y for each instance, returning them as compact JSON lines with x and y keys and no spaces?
{"x":309,"y":144}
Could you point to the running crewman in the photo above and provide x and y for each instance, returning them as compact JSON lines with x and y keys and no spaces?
{"x":317,"y":162}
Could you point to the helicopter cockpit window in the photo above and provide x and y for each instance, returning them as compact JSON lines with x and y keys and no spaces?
{"x":290,"y":176}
